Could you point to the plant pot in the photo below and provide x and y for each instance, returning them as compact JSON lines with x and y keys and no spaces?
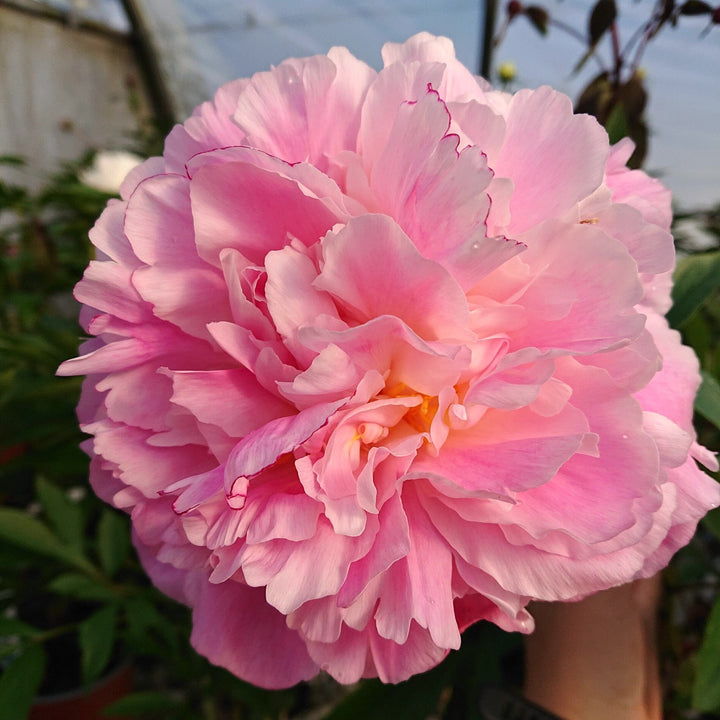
{"x":85,"y":703}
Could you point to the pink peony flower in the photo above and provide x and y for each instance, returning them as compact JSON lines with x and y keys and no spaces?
{"x":380,"y":355}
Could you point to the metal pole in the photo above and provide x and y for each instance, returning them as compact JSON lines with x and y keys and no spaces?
{"x":146,"y":53}
{"x":488,"y":35}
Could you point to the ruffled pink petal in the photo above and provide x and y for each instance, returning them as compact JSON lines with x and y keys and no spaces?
{"x":230,"y":399}
{"x":458,"y":82}
{"x":125,"y":387}
{"x":107,"y":287}
{"x":397,"y":282}
{"x":387,"y":345}
{"x":263,"y":446}
{"x":374,"y":357}
{"x":571,"y":306}
{"x":291,"y":111}
{"x":211,"y":126}
{"x":252,"y":641}
{"x":395,"y":663}
{"x":239,"y":206}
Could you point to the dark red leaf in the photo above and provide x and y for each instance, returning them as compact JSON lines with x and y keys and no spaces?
{"x":595,"y":99}
{"x":633,"y":97}
{"x":695,"y":7}
{"x":514,"y":7}
{"x":539,"y":17}
{"x":602,"y":17}
{"x":667,"y":10}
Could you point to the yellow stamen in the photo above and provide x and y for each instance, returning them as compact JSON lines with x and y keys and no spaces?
{"x":421,"y":416}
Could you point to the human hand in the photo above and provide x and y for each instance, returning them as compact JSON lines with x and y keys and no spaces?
{"x":597,"y":658}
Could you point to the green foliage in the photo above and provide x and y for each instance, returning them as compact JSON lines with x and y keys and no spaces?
{"x":694,"y":575}
{"x":450,"y":691}
{"x":707,"y":402}
{"x":20,"y":681}
{"x":113,"y":541}
{"x":617,"y":124}
{"x":65,"y":516}
{"x":697,"y":277}
{"x":144,"y":704}
{"x":97,"y":639}
{"x":706,"y":689}
{"x":22,"y":529}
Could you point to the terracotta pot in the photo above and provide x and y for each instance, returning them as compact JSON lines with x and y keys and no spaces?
{"x":85,"y":703}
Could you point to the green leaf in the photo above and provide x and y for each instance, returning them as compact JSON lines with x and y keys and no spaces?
{"x":706,"y":688}
{"x":97,"y":638}
{"x":409,"y":700}
{"x":707,"y":402}
{"x":81,"y":587}
{"x":696,"y":278}
{"x":141,"y":703}
{"x":21,"y":528}
{"x":617,"y":125}
{"x":65,"y":516}
{"x":113,"y":540}
{"x":149,"y":630}
{"x":13,"y":626}
{"x":11,"y":160}
{"x":581,"y":62}
{"x":425,"y":695}
{"x":20,"y":682}
{"x":712,"y":522}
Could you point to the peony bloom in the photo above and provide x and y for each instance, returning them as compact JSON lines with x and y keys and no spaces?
{"x":380,"y":355}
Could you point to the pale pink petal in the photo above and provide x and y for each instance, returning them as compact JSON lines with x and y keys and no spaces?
{"x":346,"y":660}
{"x":108,"y":236}
{"x":396,"y":85}
{"x":418,"y":588}
{"x":107,"y":286}
{"x":331,"y":375}
{"x":210,"y":126}
{"x":168,"y":579}
{"x":636,"y":188}
{"x":569,"y":304}
{"x":554,"y":157}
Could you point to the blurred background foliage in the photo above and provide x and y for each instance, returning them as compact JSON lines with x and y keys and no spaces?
{"x":74,"y":603}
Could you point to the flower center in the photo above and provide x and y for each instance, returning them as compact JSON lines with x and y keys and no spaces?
{"x":421,"y":416}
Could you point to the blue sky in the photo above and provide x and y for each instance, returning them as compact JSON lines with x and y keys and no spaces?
{"x":682,"y":70}
{"x":234,"y":38}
